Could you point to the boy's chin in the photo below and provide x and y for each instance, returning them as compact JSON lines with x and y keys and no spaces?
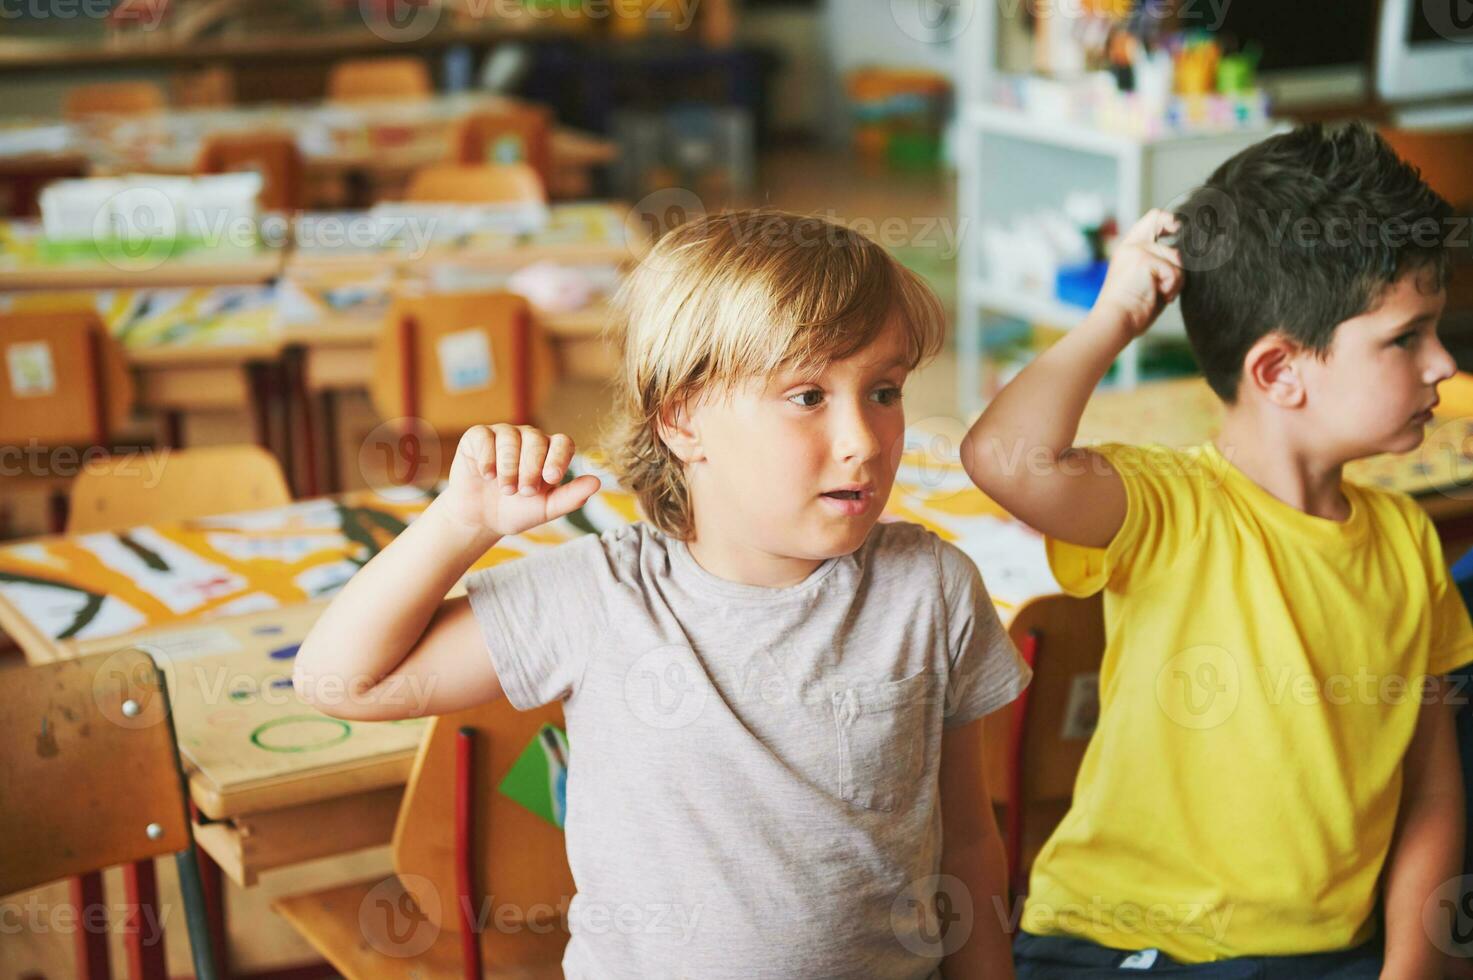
{"x":1405,"y":441}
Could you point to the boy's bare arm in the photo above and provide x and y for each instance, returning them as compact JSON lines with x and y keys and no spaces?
{"x":389,"y":646}
{"x":972,"y":854}
{"x":1021,"y":451}
{"x":1428,"y":849}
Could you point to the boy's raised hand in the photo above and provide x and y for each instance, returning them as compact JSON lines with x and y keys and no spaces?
{"x":1145,"y":275}
{"x":505,"y":479}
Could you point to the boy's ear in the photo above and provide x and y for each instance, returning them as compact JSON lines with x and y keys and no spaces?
{"x":679,"y":432}
{"x":1272,"y":370}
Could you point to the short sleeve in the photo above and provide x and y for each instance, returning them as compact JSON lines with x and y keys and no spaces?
{"x":1451,"y":645}
{"x":539,"y":615}
{"x":985,"y":671}
{"x":1161,"y":517}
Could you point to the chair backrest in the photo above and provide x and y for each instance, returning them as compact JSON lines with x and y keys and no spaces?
{"x":519,"y":859}
{"x":359,"y":79}
{"x":87,"y":783}
{"x":1036,"y":745}
{"x":63,"y":379}
{"x":450,"y":183}
{"x":113,"y":98}
{"x":175,"y":485}
{"x":1068,"y":636}
{"x":456,"y":360}
{"x":516,"y":134}
{"x":203,"y":88}
{"x":273,"y":155}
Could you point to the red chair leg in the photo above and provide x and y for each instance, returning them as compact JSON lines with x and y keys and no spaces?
{"x":330,"y":463}
{"x":144,"y":929}
{"x":1018,"y":882}
{"x":59,"y":508}
{"x":91,"y":942}
{"x":465,"y":876}
{"x":521,"y":358}
{"x":296,"y":361}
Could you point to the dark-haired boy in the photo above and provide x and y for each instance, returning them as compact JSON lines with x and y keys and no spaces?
{"x":1273,"y":755}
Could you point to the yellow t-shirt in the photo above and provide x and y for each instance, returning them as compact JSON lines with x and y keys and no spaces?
{"x":1262,"y":676}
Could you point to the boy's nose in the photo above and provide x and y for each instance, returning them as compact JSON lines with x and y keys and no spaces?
{"x":856,"y":439}
{"x":1441,"y":366}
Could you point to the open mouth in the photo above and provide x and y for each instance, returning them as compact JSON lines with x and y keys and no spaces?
{"x":845,"y":494}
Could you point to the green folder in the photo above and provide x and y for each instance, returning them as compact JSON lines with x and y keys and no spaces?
{"x":538,"y":779}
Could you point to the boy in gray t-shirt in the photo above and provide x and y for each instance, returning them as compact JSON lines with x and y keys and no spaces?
{"x":756,"y":681}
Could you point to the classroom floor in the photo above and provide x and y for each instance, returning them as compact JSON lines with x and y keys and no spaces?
{"x":902,"y":209}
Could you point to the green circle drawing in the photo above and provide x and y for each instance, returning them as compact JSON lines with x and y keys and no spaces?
{"x":342,"y":727}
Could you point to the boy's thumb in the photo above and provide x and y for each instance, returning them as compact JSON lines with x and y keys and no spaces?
{"x":571,"y":495}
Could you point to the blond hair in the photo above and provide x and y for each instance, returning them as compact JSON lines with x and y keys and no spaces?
{"x":738,"y":295}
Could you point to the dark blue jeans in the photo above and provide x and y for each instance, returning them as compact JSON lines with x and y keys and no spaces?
{"x":1063,"y":958}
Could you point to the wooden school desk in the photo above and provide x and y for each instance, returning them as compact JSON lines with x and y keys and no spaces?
{"x":228,"y":347}
{"x":381,"y":141}
{"x":25,"y":263}
{"x":335,"y":299}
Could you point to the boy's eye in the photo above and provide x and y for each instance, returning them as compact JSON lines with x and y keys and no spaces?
{"x":1406,"y":340}
{"x":887,"y":396}
{"x":811,"y":398}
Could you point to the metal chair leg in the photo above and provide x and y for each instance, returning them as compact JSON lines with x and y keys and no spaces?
{"x":192,"y":889}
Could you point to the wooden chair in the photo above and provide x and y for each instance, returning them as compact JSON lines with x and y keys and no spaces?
{"x":461,"y":851}
{"x":273,"y":155}
{"x":97,"y":784}
{"x":113,"y":98}
{"x":123,"y":492}
{"x":518,"y":134}
{"x":476,"y":184}
{"x":1035,"y":746}
{"x":64,"y":382}
{"x":452,"y":361}
{"x":366,"y":79}
{"x":202,"y":88}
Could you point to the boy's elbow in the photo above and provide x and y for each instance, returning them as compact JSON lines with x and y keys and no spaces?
{"x":332,"y":694}
{"x":997,"y":472}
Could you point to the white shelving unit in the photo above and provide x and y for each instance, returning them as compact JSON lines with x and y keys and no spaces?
{"x":1011,"y":163}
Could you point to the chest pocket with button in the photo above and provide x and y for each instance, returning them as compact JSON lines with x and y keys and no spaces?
{"x":883,"y":733}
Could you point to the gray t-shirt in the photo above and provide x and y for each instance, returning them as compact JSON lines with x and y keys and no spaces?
{"x":753,"y":780}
